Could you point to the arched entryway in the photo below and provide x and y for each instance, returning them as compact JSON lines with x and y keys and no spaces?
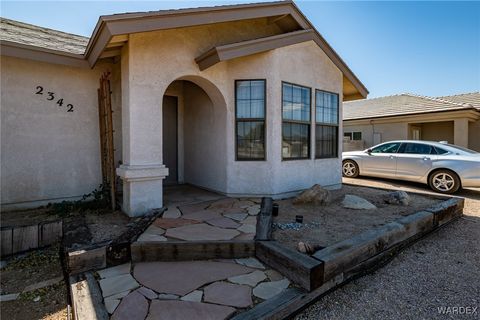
{"x":194,"y":133}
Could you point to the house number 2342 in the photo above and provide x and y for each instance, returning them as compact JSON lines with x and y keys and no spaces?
{"x":51,"y":97}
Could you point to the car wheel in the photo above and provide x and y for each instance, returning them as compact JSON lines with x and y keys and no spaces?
{"x":350,"y":169}
{"x":444,"y":181}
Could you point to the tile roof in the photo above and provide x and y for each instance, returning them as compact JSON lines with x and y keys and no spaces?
{"x":405,"y":104}
{"x":470,"y":98}
{"x":23,"y":33}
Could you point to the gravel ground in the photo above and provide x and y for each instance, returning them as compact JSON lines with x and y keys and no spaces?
{"x":442,"y":270}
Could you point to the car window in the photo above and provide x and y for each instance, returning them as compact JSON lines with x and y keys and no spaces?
{"x":462,"y":149}
{"x":391,"y":147}
{"x":418,"y":148}
{"x":440,"y":150}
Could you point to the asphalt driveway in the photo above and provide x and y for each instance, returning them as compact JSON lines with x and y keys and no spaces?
{"x":436,"y":278}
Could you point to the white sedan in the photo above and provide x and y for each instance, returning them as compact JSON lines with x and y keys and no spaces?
{"x":444,"y":167}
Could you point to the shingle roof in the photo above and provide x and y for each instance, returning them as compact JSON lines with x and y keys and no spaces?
{"x":402,"y":104}
{"x":23,"y":33}
{"x":470,"y":98}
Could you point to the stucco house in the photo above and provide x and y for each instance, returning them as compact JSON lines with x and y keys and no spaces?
{"x":455,"y":119}
{"x":240,"y":99}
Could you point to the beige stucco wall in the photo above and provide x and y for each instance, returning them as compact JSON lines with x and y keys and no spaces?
{"x":204,"y":132}
{"x":390,"y":131}
{"x":48,"y":154}
{"x":474,"y":135}
{"x":438,"y":131}
{"x":156,"y":59}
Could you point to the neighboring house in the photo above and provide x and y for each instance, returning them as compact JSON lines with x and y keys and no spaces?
{"x":243,"y":100}
{"x":455,"y":119}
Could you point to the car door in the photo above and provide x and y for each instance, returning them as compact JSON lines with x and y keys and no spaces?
{"x":381,"y":161}
{"x":414,"y":160}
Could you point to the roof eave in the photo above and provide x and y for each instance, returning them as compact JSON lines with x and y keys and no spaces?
{"x":19,"y":50}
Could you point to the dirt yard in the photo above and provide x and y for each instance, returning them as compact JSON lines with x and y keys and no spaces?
{"x":50,"y":302}
{"x":326,"y":225}
{"x":438,"y":272}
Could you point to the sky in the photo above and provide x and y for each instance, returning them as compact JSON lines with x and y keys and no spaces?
{"x":428,"y":48}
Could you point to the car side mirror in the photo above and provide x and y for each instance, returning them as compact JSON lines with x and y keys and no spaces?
{"x":369,"y":151}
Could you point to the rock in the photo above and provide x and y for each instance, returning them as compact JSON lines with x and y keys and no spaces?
{"x":166,"y":296}
{"x":152,"y":229}
{"x":308,"y":248}
{"x":222,"y":204}
{"x":119,"y":295}
{"x":247,"y":228}
{"x":167,"y":310}
{"x":201,"y":231}
{"x":273,"y":275}
{"x":253,"y":210}
{"x":397,"y":197}
{"x":267,"y":290}
{"x":111,"y":304}
{"x":251,"y":279}
{"x":223,"y":223}
{"x":250,"y":262}
{"x":236,"y":216}
{"x":147,"y":293}
{"x":36,"y":299}
{"x":9,"y":297}
{"x":173,"y":223}
{"x":316,"y":195}
{"x":193,"y":296}
{"x":192,"y":208}
{"x":132,"y":307}
{"x":145,"y":237}
{"x":250,"y":220}
{"x":114,"y":271}
{"x":183,"y":277}
{"x":245,"y":236}
{"x":228,"y":294}
{"x":243,"y":204}
{"x":357,"y":203}
{"x":117,"y":284}
{"x":202,"y":215}
{"x":172,"y":213}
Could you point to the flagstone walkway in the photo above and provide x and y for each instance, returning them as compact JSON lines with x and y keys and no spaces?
{"x":214,"y":220}
{"x":213,"y":289}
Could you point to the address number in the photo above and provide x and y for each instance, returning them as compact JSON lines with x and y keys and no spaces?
{"x":51,"y":97}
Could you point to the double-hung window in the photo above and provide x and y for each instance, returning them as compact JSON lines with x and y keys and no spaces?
{"x":250,"y":119}
{"x":295,"y":121}
{"x":326,"y":128}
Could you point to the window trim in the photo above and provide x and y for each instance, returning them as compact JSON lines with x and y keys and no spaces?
{"x":337,"y":126}
{"x":308,"y":157}
{"x":236,"y":120}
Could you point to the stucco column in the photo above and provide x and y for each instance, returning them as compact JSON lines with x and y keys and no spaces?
{"x":142,"y":171}
{"x":460,"y":132}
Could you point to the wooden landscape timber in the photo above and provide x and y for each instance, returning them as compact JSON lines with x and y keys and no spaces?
{"x":264,"y":220}
{"x":191,"y":250}
{"x":311,"y":272}
{"x":87,"y":301}
{"x":298,"y":267}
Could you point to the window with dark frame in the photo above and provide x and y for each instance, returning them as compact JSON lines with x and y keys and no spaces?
{"x":353,"y":136}
{"x":250,"y":119}
{"x":326,"y":124}
{"x":296,"y":104}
